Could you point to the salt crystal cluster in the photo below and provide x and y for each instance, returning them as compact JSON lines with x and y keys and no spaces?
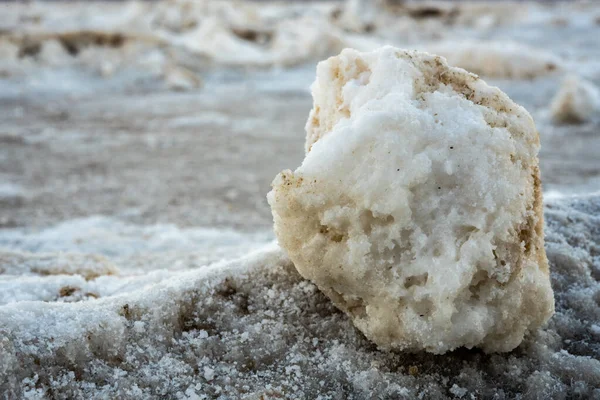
{"x":418,"y":207}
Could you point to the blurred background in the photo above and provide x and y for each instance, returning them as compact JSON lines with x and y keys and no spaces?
{"x":141,"y":130}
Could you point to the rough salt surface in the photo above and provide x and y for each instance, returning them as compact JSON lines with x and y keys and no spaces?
{"x":253,"y":327}
{"x":417,"y":209}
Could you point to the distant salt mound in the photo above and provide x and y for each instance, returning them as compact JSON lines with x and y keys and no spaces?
{"x":283,"y":43}
{"x":418,"y":207}
{"x":498,"y":59}
{"x":408,"y":20}
{"x":577,"y":101}
{"x":232,"y":33}
{"x":253,"y":327}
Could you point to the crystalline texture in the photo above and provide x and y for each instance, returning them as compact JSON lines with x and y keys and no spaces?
{"x":418,"y":207}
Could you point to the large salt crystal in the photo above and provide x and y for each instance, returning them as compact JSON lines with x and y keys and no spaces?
{"x":418,"y":207}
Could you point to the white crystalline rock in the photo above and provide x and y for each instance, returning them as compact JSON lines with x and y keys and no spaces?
{"x":577,"y":100}
{"x":417,"y":209}
{"x":498,"y":59}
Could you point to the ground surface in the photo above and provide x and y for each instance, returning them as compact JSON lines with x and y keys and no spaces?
{"x":124,"y":181}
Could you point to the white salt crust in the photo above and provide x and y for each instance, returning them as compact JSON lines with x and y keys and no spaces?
{"x":252,"y":328}
{"x":417,"y":209}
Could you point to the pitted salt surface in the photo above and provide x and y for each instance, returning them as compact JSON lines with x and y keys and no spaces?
{"x":418,"y":207}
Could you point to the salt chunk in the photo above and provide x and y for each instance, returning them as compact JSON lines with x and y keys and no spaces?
{"x":576,"y":101}
{"x":458,"y":391}
{"x":419,"y":257}
{"x":139,"y":326}
{"x":209,"y":373}
{"x":190,"y":394}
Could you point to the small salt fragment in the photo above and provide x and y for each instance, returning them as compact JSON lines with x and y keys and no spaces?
{"x":139,"y":326}
{"x":209,"y":374}
{"x":458,"y":391}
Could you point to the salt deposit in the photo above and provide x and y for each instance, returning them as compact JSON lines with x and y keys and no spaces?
{"x":23,"y":263}
{"x":284,"y":43}
{"x":120,"y":199}
{"x":417,"y":209}
{"x":274,"y":34}
{"x":102,"y":246}
{"x":498,"y":59}
{"x":577,"y":100}
{"x":253,"y":327}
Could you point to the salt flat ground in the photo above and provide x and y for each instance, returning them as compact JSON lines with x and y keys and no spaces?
{"x":121,"y":181}
{"x":204,"y":158}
